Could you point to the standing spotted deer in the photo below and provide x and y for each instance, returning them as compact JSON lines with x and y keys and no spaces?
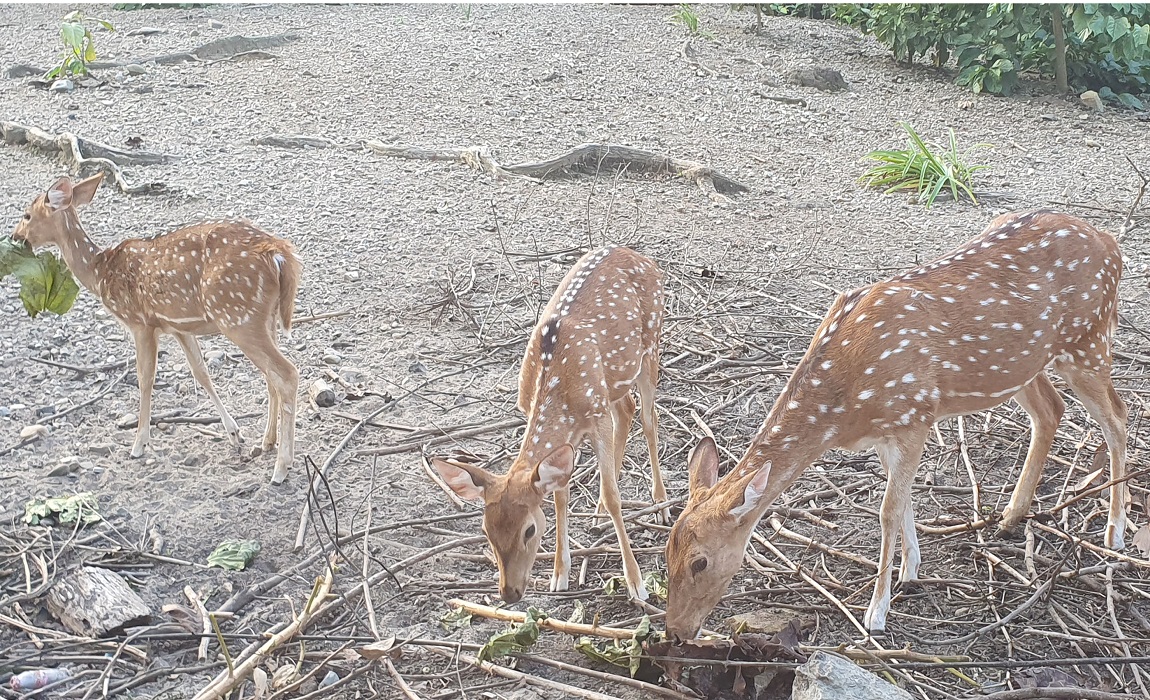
{"x":964,"y":333}
{"x":209,"y":278}
{"x":597,"y":339}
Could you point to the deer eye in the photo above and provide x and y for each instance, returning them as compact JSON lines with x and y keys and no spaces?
{"x":698,"y":565}
{"x":27,"y":216}
{"x":529,"y":532}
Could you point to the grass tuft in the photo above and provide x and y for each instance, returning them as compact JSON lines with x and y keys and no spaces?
{"x":920,"y":169}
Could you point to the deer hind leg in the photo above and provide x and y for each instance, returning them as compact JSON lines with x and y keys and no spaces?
{"x":622,"y":415}
{"x":606,"y":454}
{"x":900,"y":457}
{"x":191,"y":348}
{"x":282,"y":376}
{"x":1045,"y":407}
{"x":648,"y":378}
{"x":561,"y":573}
{"x":147,"y":344}
{"x":1093,"y":387}
{"x":271,"y":433}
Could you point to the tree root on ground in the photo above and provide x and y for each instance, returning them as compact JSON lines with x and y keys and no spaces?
{"x":79,"y":153}
{"x":589,"y":159}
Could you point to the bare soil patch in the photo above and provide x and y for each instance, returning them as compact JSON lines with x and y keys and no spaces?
{"x":440,"y":271}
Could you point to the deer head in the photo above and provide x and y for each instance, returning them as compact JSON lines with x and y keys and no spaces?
{"x":513,"y":519}
{"x":50,"y":218}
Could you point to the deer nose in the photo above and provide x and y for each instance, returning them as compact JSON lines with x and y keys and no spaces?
{"x":510,"y":594}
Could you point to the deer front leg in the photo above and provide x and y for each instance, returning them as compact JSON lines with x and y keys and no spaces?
{"x":560,"y":576}
{"x":146,"y":348}
{"x":899,"y":458}
{"x":609,"y":489}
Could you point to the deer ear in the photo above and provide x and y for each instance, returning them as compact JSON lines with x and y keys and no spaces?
{"x":60,"y":194}
{"x":466,"y":481}
{"x":703,"y":465}
{"x":83,"y":191}
{"x":753,"y":493}
{"x":555,"y":470}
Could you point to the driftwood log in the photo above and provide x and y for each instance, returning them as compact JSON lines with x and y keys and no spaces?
{"x":79,"y":152}
{"x":94,"y":602}
{"x":588,"y":159}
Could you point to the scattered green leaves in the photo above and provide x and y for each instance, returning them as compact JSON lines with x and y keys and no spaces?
{"x":923,"y":170}
{"x":45,"y":282}
{"x":656,"y":583}
{"x":454,"y":619}
{"x":519,"y":638}
{"x":234,"y":554}
{"x":66,"y":509}
{"x":79,"y":45}
{"x":627,"y":653}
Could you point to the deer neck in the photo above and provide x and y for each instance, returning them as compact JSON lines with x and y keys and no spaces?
{"x":80,"y":253}
{"x":801,"y":426}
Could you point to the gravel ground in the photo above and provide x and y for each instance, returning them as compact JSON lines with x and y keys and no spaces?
{"x":383,"y":238}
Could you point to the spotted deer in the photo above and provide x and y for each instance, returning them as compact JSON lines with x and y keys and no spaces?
{"x":964,"y":333}
{"x":220,"y":277}
{"x":597,"y":340}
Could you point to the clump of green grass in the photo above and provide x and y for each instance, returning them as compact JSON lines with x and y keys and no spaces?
{"x":686,"y":16}
{"x":923,"y":168}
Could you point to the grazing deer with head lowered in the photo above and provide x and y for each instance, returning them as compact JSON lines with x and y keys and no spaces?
{"x":220,"y":277}
{"x":597,"y":340}
{"x":964,"y":333}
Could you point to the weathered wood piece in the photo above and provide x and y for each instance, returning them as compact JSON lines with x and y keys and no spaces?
{"x":95,"y":602}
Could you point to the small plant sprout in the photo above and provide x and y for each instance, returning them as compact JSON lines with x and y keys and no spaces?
{"x":687,"y":17}
{"x":79,"y":45}
{"x":923,"y":170}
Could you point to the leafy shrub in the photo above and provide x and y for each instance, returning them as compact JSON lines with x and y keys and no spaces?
{"x":1107,"y":45}
{"x":79,"y":45}
{"x":687,"y":17}
{"x":923,"y":169}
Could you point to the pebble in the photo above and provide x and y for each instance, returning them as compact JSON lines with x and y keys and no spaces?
{"x":135,"y":69}
{"x":102,"y":450}
{"x":62,"y":85}
{"x":1092,"y":100}
{"x":330,"y":679}
{"x":1093,"y":144}
{"x":215,"y":24}
{"x":331,"y":357}
{"x":33,"y":432}
{"x":1049,"y":118}
{"x":127,"y":420}
{"x":351,"y":275}
{"x":66,"y":466}
{"x":146,"y":31}
{"x":5,"y":411}
{"x":214,"y":357}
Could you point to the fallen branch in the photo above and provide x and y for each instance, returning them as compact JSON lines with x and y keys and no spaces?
{"x":415,"y":445}
{"x":566,"y":690}
{"x":587,"y":159}
{"x":78,"y":153}
{"x":546,"y":623}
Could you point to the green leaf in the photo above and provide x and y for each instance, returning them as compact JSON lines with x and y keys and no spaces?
{"x":454,"y":619}
{"x":45,"y":282}
{"x":72,"y":34}
{"x":1130,"y":101}
{"x":68,"y":509}
{"x":90,"y":52}
{"x":519,"y":638}
{"x":234,"y":554}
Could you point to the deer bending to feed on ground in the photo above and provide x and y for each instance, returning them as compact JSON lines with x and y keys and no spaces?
{"x":597,"y":339}
{"x":209,"y":278}
{"x":964,"y":333}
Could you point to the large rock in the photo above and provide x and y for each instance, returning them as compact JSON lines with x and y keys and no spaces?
{"x":831,"y":677}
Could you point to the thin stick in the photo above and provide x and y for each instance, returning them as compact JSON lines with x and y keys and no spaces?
{"x":567,"y":690}
{"x":407,"y":690}
{"x":104,"y":392}
{"x":448,"y":437}
{"x":647,"y":688}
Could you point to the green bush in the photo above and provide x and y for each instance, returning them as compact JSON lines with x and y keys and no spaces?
{"x":1107,"y":45}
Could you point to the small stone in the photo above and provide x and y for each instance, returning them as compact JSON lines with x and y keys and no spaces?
{"x":5,"y":411}
{"x":102,"y":449}
{"x":146,"y":31}
{"x":135,"y":69}
{"x":827,"y":79}
{"x":1091,"y":143}
{"x":966,"y":104}
{"x":33,"y":432}
{"x":831,"y":677}
{"x":214,"y":357}
{"x":62,"y":85}
{"x":353,"y":375}
{"x":1092,"y":100}
{"x":193,"y":461}
{"x":331,"y":357}
{"x":128,"y":420}
{"x":66,"y":466}
{"x":71,"y":106}
{"x":215,"y":24}
{"x":45,"y":411}
{"x":330,"y":679}
{"x":351,"y":275}
{"x":1049,"y":118}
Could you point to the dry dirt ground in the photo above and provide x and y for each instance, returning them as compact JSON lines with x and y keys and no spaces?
{"x":387,"y":240}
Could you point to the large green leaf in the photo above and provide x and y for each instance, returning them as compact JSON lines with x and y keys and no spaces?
{"x":48,"y":286}
{"x":72,"y":33}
